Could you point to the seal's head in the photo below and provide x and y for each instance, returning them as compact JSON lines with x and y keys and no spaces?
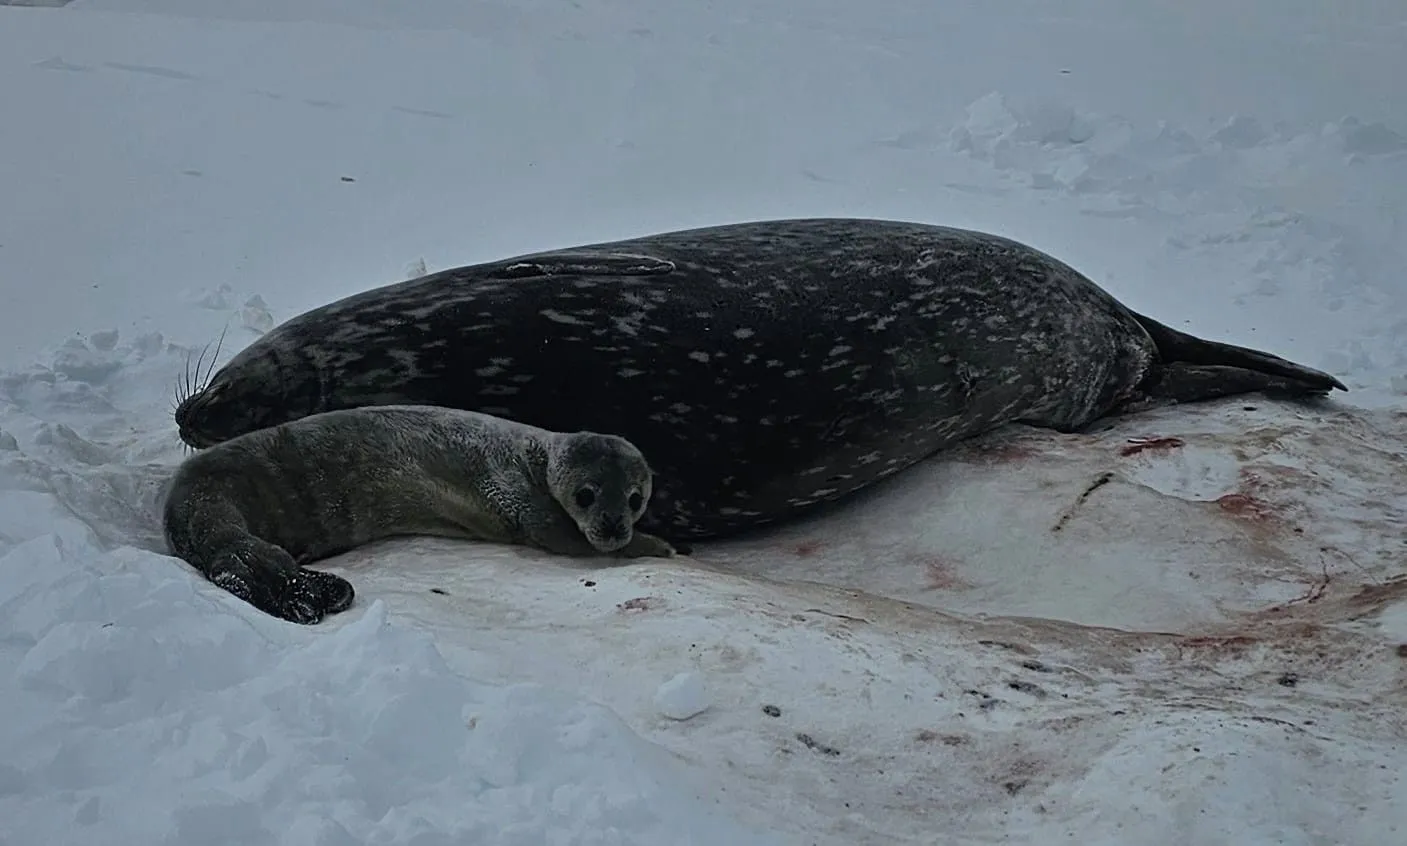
{"x":603,"y":482}
{"x":259,"y":388}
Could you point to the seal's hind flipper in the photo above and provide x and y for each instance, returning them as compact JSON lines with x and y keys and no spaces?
{"x":1221,"y":370}
{"x":1179,"y":383}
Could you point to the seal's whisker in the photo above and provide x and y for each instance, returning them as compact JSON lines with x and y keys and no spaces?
{"x":199,"y":362}
{"x":193,"y":381}
{"x":184,"y":380}
{"x":204,"y":382}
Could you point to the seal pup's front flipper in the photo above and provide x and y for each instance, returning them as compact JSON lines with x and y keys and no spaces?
{"x":1191,"y":369}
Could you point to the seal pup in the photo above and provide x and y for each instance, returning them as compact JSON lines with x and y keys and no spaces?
{"x":766,"y":368}
{"x":249,"y":512}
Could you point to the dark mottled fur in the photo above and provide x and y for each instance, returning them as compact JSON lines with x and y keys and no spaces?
{"x":764,"y":367}
{"x":250,"y":511}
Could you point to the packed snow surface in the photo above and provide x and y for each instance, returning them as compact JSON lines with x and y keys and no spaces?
{"x":1184,"y":627}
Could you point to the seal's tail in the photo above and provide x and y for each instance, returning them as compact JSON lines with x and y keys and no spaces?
{"x":1192,"y":369}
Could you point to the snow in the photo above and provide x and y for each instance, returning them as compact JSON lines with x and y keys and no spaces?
{"x":1186,"y":626}
{"x":682,"y":697}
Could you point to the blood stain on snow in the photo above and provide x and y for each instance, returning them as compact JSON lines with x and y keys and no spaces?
{"x":1234,"y":644}
{"x":939,"y":571}
{"x":1248,"y":502}
{"x":1244,"y":506}
{"x":995,"y":451}
{"x":1157,"y":444}
{"x":1378,"y":595}
{"x":807,"y":548}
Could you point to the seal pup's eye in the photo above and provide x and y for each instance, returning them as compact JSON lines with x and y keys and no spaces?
{"x":635,"y":501}
{"x":584,"y":497}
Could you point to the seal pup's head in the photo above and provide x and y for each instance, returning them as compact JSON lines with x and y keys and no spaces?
{"x":603,"y":482}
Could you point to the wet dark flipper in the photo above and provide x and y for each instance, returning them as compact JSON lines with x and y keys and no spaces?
{"x":1182,"y":383}
{"x":265,"y":576}
{"x":324,"y":593}
{"x":1210,"y":358}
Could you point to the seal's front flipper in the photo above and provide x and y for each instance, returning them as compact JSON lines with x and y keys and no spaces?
{"x":643,"y":545}
{"x":315,"y":594}
{"x":1180,"y":383}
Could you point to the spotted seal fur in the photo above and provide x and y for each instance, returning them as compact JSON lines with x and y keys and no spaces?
{"x":764,"y":367}
{"x":250,"y":511}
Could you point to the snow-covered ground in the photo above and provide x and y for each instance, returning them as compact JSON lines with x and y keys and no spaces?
{"x":1187,"y":627}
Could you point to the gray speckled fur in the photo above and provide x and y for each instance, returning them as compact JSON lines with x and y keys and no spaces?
{"x":764,"y":367}
{"x":248,"y":512}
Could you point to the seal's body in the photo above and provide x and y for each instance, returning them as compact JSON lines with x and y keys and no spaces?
{"x":248,"y":512}
{"x":764,"y":367}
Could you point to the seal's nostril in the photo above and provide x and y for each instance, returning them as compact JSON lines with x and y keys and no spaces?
{"x":613,"y":528}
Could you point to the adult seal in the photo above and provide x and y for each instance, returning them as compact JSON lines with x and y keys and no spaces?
{"x":766,"y":367}
{"x":251,"y":511}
